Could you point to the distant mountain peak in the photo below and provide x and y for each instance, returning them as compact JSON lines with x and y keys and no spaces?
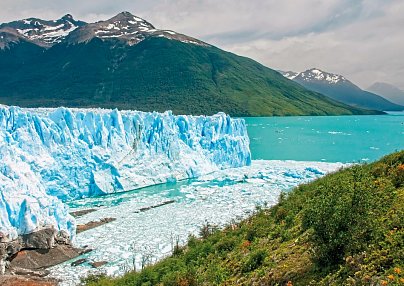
{"x":126,"y":18}
{"x":67,"y":17}
{"x":315,"y":75}
{"x":125,"y":14}
{"x":341,"y":89}
{"x":289,"y":74}
{"x":44,"y":32}
{"x":127,"y":28}
{"x":388,"y":91}
{"x":124,"y":27}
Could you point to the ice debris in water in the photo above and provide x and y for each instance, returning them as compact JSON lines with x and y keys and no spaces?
{"x":53,"y":155}
{"x":142,"y":231}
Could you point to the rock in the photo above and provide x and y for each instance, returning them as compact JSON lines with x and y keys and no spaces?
{"x":23,"y":280}
{"x":93,"y":224}
{"x":41,"y":239}
{"x":62,"y":237}
{"x":79,"y":262}
{"x":86,"y":250}
{"x":97,"y":264}
{"x":2,"y":266}
{"x":82,"y":212}
{"x":13,"y":247}
{"x":27,"y":272}
{"x":4,"y":237}
{"x":43,"y":258}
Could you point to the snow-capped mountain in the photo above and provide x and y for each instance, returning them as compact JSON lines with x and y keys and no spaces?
{"x":128,"y":28}
{"x":124,"y":27}
{"x":315,"y":75}
{"x":289,"y":74}
{"x":43,"y":32}
{"x":339,"y":88}
{"x":127,"y":63}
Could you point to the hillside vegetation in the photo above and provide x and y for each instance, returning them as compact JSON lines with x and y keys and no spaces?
{"x":346,"y":228}
{"x":157,"y":74}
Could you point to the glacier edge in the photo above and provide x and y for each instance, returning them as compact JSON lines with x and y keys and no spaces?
{"x":48,"y":156}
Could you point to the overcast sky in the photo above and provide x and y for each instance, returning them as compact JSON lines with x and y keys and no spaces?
{"x":360,"y":39}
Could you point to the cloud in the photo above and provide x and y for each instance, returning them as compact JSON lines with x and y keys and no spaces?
{"x":366,"y":50}
{"x":361,"y":39}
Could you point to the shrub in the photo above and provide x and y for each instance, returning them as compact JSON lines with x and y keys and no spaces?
{"x":225,"y":245}
{"x":344,"y":214}
{"x":254,"y":260}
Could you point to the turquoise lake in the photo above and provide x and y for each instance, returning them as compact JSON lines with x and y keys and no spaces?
{"x":326,"y":138}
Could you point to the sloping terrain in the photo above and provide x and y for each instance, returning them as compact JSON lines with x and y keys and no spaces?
{"x":341,"y":89}
{"x":346,"y":228}
{"x":125,"y":62}
{"x":388,"y":91}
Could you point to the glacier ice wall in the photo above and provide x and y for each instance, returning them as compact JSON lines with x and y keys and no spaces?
{"x":68,"y":154}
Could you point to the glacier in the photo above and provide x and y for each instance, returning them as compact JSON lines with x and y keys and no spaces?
{"x":51,"y":156}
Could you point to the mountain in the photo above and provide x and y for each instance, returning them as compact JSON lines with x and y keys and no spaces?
{"x":341,"y":89}
{"x":41,"y":32}
{"x":126,"y":63}
{"x":388,"y":91}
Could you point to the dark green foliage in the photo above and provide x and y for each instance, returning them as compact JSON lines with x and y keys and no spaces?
{"x":344,"y":214}
{"x":254,"y":260}
{"x":346,"y":228}
{"x":156,"y":75}
{"x":226,"y":245}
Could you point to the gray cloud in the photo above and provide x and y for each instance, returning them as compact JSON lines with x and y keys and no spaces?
{"x":361,"y":39}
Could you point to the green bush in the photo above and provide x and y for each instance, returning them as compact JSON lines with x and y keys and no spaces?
{"x":225,"y":245}
{"x":254,"y":260}
{"x":344,"y":214}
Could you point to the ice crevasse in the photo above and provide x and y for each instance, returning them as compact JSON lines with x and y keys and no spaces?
{"x":48,"y":156}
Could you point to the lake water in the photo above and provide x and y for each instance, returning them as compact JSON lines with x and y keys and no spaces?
{"x":326,"y":138}
{"x":148,"y":219}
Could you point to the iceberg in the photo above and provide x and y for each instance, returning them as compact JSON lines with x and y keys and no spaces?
{"x":50,"y":156}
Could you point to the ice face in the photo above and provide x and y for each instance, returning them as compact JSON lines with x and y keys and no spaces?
{"x":24,"y":204}
{"x":66,"y":154}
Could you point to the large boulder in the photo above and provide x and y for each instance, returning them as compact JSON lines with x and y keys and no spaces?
{"x":41,"y":239}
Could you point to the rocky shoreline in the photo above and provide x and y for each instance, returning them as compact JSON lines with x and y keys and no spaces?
{"x":27,"y":257}
{"x":24,"y":261}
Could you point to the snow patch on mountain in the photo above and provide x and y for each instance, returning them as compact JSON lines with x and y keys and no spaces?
{"x":289,"y":74}
{"x":313,"y":75}
{"x":46,"y":32}
{"x":128,"y":28}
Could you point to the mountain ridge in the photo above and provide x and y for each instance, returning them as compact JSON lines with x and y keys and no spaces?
{"x":126,"y":63}
{"x":44,"y":33}
{"x":339,"y":88}
{"x":388,"y":91}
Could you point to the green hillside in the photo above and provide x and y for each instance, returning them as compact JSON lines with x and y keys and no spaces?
{"x":346,"y":228}
{"x":156,"y":74}
{"x":351,"y":94}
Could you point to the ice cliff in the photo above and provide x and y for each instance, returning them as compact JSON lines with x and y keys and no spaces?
{"x":52,"y":155}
